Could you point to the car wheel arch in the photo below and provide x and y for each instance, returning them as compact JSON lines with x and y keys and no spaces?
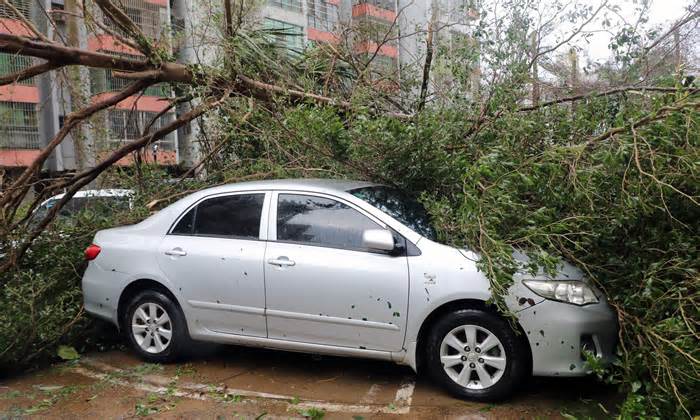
{"x":134,"y":288}
{"x":455,"y":305}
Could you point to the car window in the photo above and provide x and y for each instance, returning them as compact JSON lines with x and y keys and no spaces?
{"x":96,"y":204}
{"x":186,"y":224}
{"x":320,"y":221}
{"x":400,"y":206}
{"x":102,"y":205}
{"x":236,"y":216}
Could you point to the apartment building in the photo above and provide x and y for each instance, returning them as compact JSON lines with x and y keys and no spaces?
{"x":32,"y":111}
{"x":390,"y":34}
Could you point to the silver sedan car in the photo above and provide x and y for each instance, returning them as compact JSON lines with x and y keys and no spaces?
{"x":343,"y":268}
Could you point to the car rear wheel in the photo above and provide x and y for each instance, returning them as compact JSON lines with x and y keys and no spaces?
{"x":155,"y":327}
{"x":476,"y":355}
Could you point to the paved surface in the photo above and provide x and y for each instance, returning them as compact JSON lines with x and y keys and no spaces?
{"x":235,"y":382}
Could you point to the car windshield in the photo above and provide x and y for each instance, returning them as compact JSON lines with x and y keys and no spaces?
{"x":400,"y":206}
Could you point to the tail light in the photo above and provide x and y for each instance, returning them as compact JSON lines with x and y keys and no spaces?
{"x":92,"y":252}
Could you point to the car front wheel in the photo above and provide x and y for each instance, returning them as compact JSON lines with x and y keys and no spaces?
{"x":155,"y":327}
{"x":475,"y":355}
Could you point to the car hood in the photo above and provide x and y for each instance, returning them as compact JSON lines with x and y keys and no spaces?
{"x":564,"y":270}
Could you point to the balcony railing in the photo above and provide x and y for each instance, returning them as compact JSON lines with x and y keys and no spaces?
{"x":19,"y":127}
{"x":102,"y":80}
{"x":12,"y":63}
{"x":150,"y":18}
{"x":24,"y":6}
{"x":127,"y":125}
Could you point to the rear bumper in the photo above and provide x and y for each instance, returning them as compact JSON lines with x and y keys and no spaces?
{"x":101,"y":291}
{"x":557,"y":332}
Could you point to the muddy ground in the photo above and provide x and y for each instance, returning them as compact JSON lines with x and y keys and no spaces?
{"x":235,"y":382}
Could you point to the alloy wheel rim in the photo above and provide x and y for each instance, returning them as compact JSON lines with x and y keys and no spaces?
{"x":151,"y":328}
{"x":473,"y":357}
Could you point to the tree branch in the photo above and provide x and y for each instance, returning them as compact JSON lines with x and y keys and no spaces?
{"x":28,"y":23}
{"x":570,"y":37}
{"x":124,"y":22}
{"x":15,"y":192}
{"x":109,"y":31}
{"x":28,"y":73}
{"x":264,"y":91}
{"x":83,"y":178}
{"x":428,"y":63}
{"x":674,"y":28}
{"x":608,"y":92}
{"x":660,"y":114}
{"x":16,"y":44}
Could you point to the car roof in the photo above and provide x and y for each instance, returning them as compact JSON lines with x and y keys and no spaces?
{"x":313,"y":184}
{"x":95,"y":193}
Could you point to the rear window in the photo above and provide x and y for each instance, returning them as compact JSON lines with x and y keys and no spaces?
{"x":232,"y":216}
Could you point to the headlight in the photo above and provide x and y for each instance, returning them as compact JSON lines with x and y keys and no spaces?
{"x":569,"y":291}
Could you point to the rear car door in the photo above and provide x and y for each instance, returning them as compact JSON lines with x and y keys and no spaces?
{"x":322,"y":286}
{"x":214,"y":256}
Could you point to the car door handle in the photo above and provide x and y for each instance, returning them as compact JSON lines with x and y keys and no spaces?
{"x":176,"y":252}
{"x":281,"y":262}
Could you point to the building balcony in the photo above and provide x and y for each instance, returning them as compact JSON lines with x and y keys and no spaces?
{"x":24,"y":6}
{"x":370,"y":47}
{"x":19,"y":127}
{"x":9,"y":24}
{"x":17,"y":158}
{"x":151,"y":16}
{"x":321,"y":36}
{"x":126,"y":125}
{"x":293,"y":6}
{"x":369,"y":9}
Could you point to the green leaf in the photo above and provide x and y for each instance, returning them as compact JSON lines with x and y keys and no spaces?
{"x":68,"y":353}
{"x":636,"y":385}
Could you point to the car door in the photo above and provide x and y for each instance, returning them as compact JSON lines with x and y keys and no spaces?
{"x":322,"y":286}
{"x":214,"y":256}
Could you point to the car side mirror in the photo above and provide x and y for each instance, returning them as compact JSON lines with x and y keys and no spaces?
{"x":379,"y":239}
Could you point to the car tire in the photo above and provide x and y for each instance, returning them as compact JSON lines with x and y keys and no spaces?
{"x":493,"y":372}
{"x":156,"y":327}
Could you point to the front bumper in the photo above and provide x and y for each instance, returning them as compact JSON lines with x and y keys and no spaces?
{"x":557,"y":333}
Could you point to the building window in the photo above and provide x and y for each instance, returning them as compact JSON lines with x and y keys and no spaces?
{"x":321,"y":15}
{"x":19,"y":128}
{"x":285,"y":35}
{"x":293,"y":5}
{"x":126,"y":125}
{"x":102,"y":80}
{"x":24,"y":6}
{"x":149,"y":17}
{"x":12,"y":63}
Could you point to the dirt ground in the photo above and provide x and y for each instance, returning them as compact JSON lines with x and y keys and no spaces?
{"x":234,"y":382}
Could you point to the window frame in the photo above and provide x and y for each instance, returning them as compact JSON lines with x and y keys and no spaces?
{"x":262,"y":229}
{"x":272,"y":222}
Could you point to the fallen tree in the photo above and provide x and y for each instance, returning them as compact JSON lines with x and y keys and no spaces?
{"x":604,"y":175}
